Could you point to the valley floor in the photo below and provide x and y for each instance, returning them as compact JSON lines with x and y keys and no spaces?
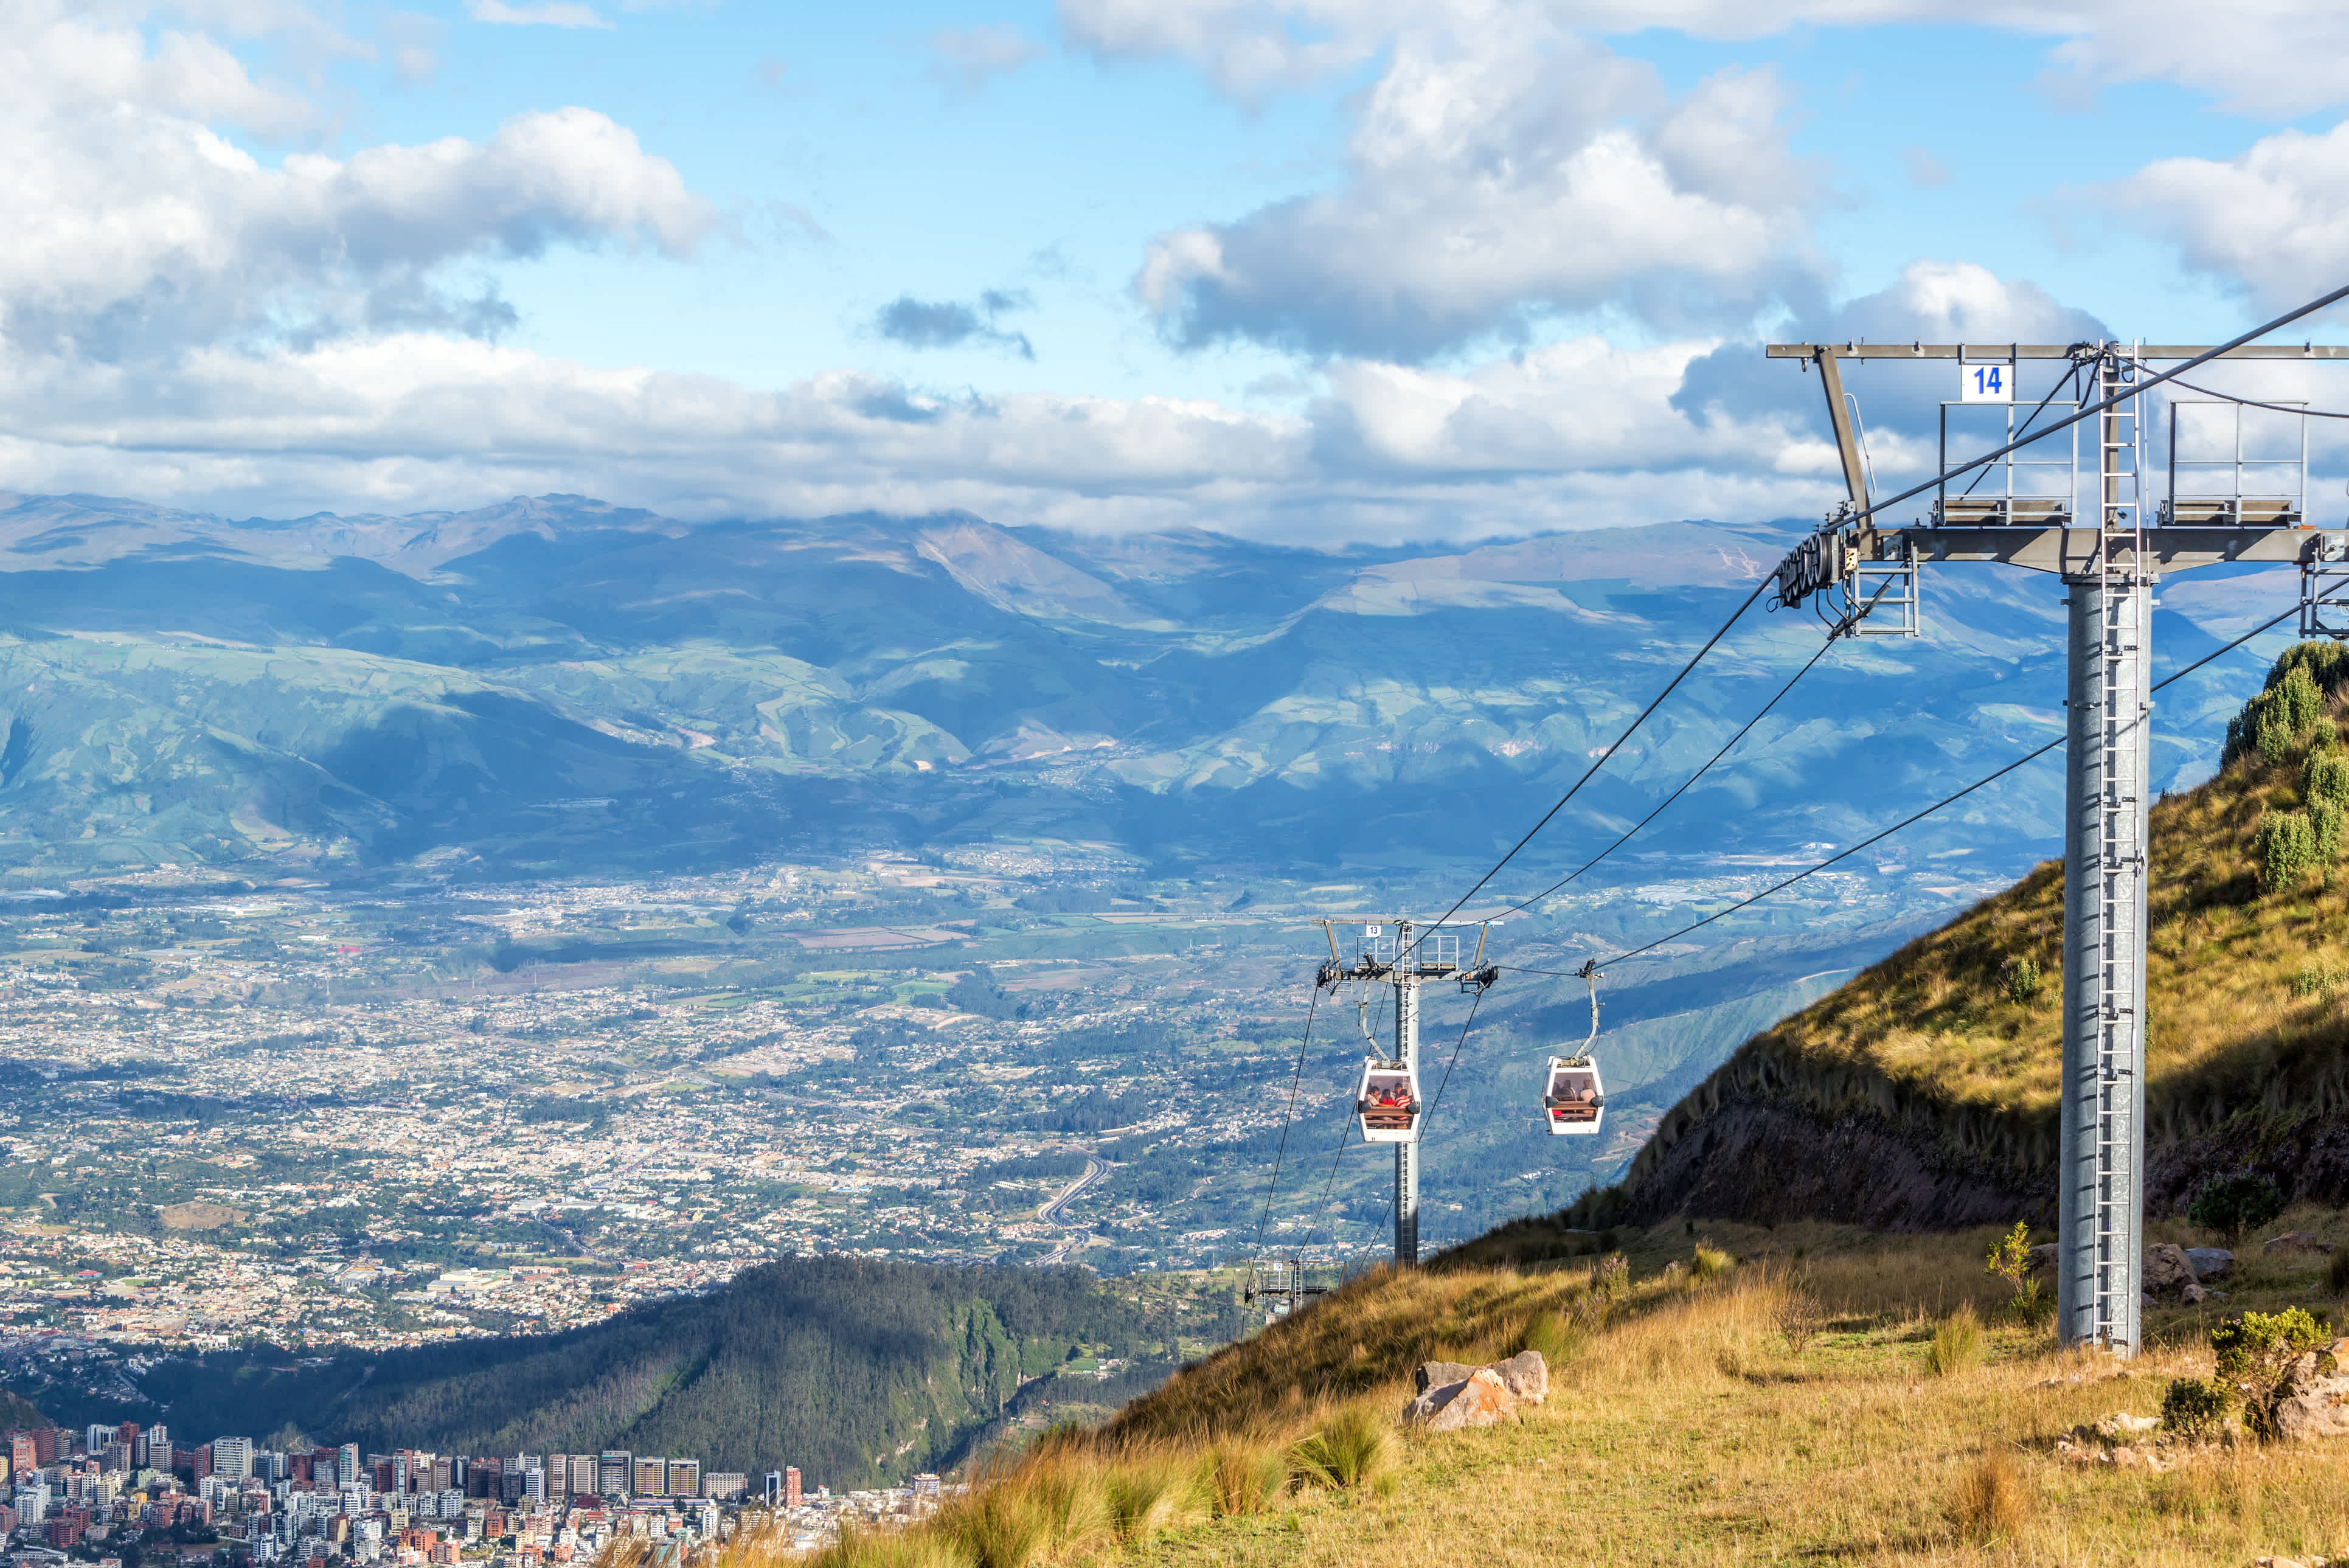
{"x":1688,"y":1427}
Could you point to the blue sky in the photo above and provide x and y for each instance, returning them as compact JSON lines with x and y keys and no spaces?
{"x":1299,"y":268}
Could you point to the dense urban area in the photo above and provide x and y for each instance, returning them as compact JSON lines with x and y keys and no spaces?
{"x":129,"y":1495}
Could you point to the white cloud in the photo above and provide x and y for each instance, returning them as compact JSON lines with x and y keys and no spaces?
{"x":966,"y":57}
{"x":2275,"y":57}
{"x":2274,"y":221}
{"x":135,"y":226}
{"x":1501,"y":168}
{"x":546,"y":14}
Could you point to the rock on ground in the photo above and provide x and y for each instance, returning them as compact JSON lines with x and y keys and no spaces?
{"x":1479,"y":1400}
{"x":1524,"y":1375}
{"x":1437,"y":1374}
{"x":2166,"y":1269}
{"x":2210,"y":1263}
{"x":2295,"y":1242}
{"x":2315,"y":1399}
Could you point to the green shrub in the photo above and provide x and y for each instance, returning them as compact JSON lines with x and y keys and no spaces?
{"x":1957,"y":1344}
{"x":2324,"y":832}
{"x":1710,"y":1262}
{"x":2323,"y":736}
{"x":2325,"y":775}
{"x":2020,"y":977}
{"x":2285,"y":844}
{"x":2317,"y":978}
{"x":2231,"y":1206}
{"x":2254,"y":1353}
{"x":2195,"y":1410}
{"x":2302,"y":701}
{"x":1351,"y":1449}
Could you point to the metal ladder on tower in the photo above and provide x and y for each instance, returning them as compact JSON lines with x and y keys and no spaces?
{"x":2121,"y":523}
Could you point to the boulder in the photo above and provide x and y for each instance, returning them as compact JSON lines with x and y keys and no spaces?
{"x":1479,"y":1400}
{"x":1441,"y":1374}
{"x":2167,"y":1271}
{"x":1524,"y":1375}
{"x":2192,"y":1294}
{"x":2295,"y":1242}
{"x":2043,"y":1258}
{"x":2210,"y":1263}
{"x":2315,"y":1399}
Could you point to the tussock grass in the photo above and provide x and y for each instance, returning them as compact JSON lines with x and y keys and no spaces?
{"x":1989,"y":1501}
{"x":1684,"y":1429}
{"x":1957,"y":1344}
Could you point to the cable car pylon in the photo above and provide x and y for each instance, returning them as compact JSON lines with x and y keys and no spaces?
{"x":2108,"y":562}
{"x":1388,"y":1105}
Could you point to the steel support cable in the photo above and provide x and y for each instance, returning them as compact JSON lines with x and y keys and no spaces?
{"x":1286,"y":1117}
{"x":1684,"y":788}
{"x":1744,"y":605}
{"x":1905,"y":821}
{"x":2135,"y":389}
{"x":2255,"y":403}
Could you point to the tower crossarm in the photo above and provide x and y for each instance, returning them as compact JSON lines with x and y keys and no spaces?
{"x":2168,"y":550}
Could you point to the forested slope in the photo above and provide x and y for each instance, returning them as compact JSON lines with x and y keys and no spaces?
{"x":1923,"y":1093}
{"x":852,"y":1369}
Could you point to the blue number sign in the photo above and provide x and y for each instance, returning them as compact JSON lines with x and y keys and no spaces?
{"x":1985,"y":384}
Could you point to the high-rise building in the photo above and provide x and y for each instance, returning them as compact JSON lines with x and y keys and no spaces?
{"x":533,"y":1483}
{"x":790,"y":1486}
{"x":95,"y":1439}
{"x":21,"y":1454}
{"x":651,"y":1478}
{"x":613,"y":1473}
{"x":45,"y":1444}
{"x":346,"y":1464}
{"x":774,"y":1491}
{"x":684,"y":1479}
{"x":583,"y":1476}
{"x":725,"y":1486}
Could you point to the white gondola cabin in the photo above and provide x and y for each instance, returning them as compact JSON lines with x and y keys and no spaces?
{"x":1387,"y":1105}
{"x":1573,"y":1099}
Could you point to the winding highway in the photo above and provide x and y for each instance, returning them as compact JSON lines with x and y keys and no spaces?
{"x":1055,"y":1210}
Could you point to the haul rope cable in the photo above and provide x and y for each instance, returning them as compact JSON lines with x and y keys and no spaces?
{"x":1744,"y":605}
{"x":1905,"y":821}
{"x":2255,"y":403}
{"x":1345,"y":1130}
{"x":2135,"y":389}
{"x":1688,"y":783}
{"x":1311,"y":1006}
{"x":2070,"y":378}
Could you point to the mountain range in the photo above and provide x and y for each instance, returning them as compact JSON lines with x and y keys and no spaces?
{"x":560,"y":682}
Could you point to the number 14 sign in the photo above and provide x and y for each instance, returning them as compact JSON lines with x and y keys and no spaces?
{"x":1985,"y":383}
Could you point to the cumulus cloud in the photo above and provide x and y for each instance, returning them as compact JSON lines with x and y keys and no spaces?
{"x":2279,"y":58}
{"x":964,"y":58}
{"x":951,"y":324}
{"x":1501,"y":169}
{"x":135,"y":226}
{"x":545,"y":13}
{"x":2274,"y":221}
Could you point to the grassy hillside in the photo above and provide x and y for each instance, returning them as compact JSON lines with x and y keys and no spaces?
{"x":1946,"y":1055}
{"x":1784,"y":1409}
{"x":854,"y":1370}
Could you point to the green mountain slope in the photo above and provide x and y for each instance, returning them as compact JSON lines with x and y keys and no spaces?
{"x":856,"y":1371}
{"x":1923,"y":1093}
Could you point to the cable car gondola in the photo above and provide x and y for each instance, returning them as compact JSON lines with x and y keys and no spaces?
{"x":1388,"y":1103}
{"x":1574,"y":1101}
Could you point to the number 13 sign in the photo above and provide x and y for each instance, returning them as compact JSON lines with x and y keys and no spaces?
{"x":1985,"y":384}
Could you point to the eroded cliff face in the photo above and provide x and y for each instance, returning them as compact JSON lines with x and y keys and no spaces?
{"x":1771,"y":1161}
{"x":1766,"y":1163}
